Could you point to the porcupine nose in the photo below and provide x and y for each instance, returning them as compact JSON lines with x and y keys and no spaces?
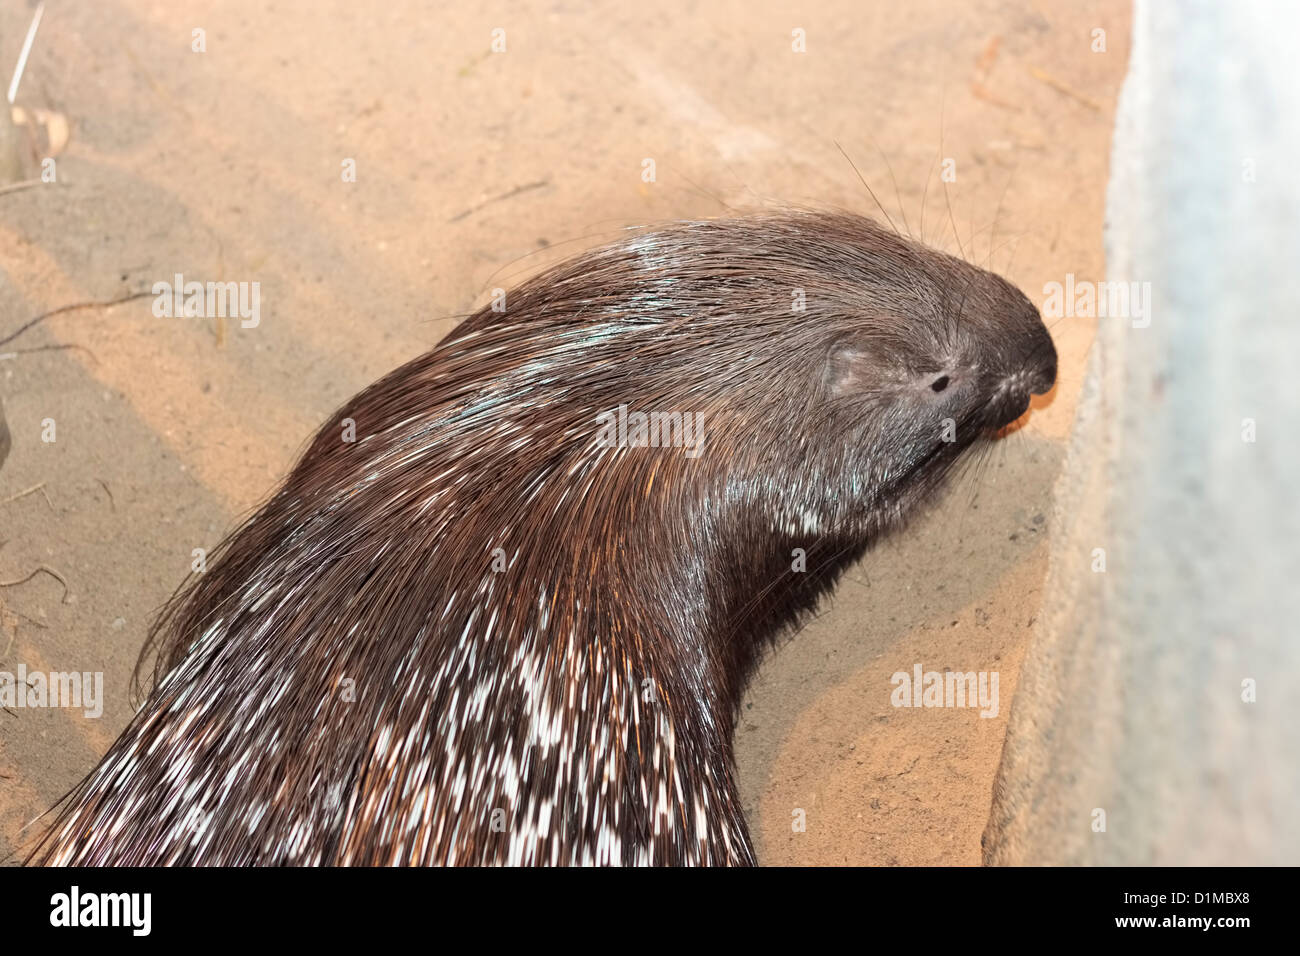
{"x":1033,"y":372}
{"x":1042,"y":364}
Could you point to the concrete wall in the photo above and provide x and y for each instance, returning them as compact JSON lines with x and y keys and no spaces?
{"x":1131,"y":699}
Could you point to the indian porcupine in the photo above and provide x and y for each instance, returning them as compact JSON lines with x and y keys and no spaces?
{"x":481,"y":605}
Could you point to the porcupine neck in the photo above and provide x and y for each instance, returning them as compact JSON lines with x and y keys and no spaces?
{"x":743,"y":574}
{"x":695,"y":585}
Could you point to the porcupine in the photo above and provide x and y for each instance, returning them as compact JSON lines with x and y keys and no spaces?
{"x":483,"y":633}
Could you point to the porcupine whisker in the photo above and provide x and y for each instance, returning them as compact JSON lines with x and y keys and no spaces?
{"x":946,"y":197}
{"x":924,"y":193}
{"x":997,"y":211}
{"x":871,"y":191}
{"x":902,"y":210}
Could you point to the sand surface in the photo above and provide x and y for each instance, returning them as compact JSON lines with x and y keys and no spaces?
{"x":474,"y":169}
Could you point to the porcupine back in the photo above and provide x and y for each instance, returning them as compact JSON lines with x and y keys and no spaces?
{"x":351,"y":681}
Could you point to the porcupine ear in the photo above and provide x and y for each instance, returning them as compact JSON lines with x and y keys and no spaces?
{"x":843,"y":373}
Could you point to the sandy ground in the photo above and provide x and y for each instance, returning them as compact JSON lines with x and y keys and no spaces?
{"x":473,"y":169}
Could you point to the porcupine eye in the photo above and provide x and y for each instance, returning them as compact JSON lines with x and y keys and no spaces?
{"x":940,"y":383}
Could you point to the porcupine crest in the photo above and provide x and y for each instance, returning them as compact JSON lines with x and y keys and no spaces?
{"x":351,"y":682}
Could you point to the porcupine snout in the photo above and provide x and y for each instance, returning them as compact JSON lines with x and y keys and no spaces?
{"x":1025,"y":361}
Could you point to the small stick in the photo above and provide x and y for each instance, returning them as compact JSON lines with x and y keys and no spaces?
{"x":49,"y":348}
{"x":48,"y":570}
{"x":22,"y":57}
{"x":506,"y":195}
{"x":70,"y":308}
{"x":23,"y":494}
{"x":18,"y":186}
{"x":30,"y":620}
{"x":111,"y":500}
{"x":1060,"y":87}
